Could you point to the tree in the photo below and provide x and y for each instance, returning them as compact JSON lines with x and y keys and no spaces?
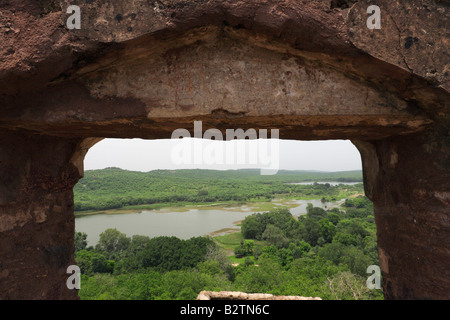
{"x":80,"y":241}
{"x":309,"y":230}
{"x":252,"y":227}
{"x":248,"y":246}
{"x":239,"y":252}
{"x":91,"y":262}
{"x":333,"y":217}
{"x":360,"y":202}
{"x":138,"y":242}
{"x":113,"y":242}
{"x":97,"y":287}
{"x":347,"y":286}
{"x":285,"y":257}
{"x":327,"y":230}
{"x":281,"y":218}
{"x":348,"y":203}
{"x":315,"y":212}
{"x":332,"y":252}
{"x":275,"y":236}
{"x":263,"y":278}
{"x":300,"y":249}
{"x":171,"y":253}
{"x":347,"y":239}
{"x":248,"y":262}
{"x":244,"y":249}
{"x":211,"y":267}
{"x":215,"y":253}
{"x":351,"y":232}
{"x":356,"y":260}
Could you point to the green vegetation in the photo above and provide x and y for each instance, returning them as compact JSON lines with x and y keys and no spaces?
{"x":114,"y":188}
{"x":324,"y":253}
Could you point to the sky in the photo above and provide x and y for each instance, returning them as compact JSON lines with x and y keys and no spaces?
{"x":147,"y":155}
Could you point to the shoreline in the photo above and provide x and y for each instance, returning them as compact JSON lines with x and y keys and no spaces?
{"x":253,"y":204}
{"x":168,"y":207}
{"x":243,"y":207}
{"x":230,"y":206}
{"x":184,"y":207}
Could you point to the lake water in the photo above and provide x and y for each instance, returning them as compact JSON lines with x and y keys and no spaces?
{"x":184,"y":225}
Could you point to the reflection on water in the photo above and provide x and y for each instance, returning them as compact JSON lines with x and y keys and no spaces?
{"x":301,"y":205}
{"x":184,"y":225}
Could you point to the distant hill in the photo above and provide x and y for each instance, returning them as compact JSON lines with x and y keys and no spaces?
{"x":116,"y":188}
{"x":295,"y":175}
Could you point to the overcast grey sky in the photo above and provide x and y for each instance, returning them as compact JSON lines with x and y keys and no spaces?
{"x":147,"y":155}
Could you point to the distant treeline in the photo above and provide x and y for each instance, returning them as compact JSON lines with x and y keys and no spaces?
{"x":114,"y":188}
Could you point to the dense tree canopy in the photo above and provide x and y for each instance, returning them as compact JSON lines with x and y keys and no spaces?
{"x":324,"y":253}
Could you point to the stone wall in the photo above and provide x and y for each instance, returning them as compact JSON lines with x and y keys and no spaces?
{"x":235,"y":295}
{"x":145,"y":68}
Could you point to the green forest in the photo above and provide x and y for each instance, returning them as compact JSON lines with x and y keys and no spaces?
{"x":114,"y":188}
{"x":324,"y":253}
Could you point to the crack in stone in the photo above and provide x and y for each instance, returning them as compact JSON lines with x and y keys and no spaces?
{"x":400,"y":44}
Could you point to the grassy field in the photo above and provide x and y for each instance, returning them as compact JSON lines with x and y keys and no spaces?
{"x":230,"y":241}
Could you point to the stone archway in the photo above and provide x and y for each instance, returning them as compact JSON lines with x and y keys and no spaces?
{"x":143,"y":69}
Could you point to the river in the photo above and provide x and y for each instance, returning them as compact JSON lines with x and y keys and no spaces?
{"x":184,"y":225}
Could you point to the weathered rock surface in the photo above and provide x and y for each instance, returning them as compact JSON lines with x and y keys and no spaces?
{"x":236,"y":295}
{"x":145,"y":68}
